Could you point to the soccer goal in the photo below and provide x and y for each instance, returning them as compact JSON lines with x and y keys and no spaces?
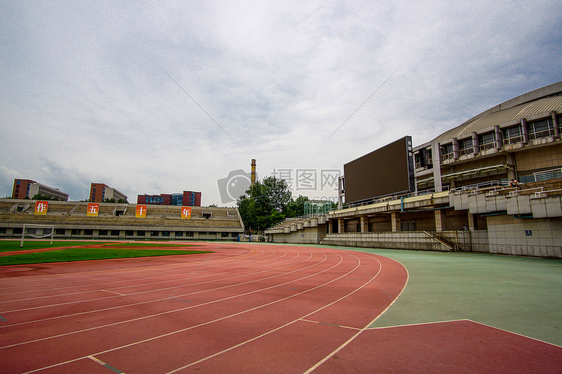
{"x":37,"y":232}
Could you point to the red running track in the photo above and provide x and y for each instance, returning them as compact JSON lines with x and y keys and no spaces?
{"x":246,"y":308}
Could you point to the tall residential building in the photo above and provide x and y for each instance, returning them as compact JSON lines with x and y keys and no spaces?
{"x":27,"y":188}
{"x":99,"y":192}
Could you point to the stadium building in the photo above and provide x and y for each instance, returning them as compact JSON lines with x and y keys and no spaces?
{"x":88,"y":220}
{"x":492,"y":184}
{"x":27,"y":188}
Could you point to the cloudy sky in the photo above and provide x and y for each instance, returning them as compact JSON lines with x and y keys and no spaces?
{"x":164,"y":96}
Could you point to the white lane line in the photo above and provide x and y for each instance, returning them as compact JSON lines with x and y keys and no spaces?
{"x":97,"y":283}
{"x":149,"y":291}
{"x":172,"y":311}
{"x":289,"y":323}
{"x":142,"y":274}
{"x":187,"y":294}
{"x":347,"y":342}
{"x":208,"y":322}
{"x":116,"y":293}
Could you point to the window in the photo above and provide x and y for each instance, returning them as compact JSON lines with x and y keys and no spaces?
{"x":512,"y":135}
{"x":179,"y":233}
{"x":487,"y":141}
{"x":540,"y":129}
{"x":423,"y":158}
{"x":465,"y":146}
{"x":448,"y":151}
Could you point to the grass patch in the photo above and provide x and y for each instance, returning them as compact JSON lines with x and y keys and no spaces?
{"x":84,"y":252}
{"x":150,"y":245}
{"x":87,"y":254}
{"x":14,"y":245}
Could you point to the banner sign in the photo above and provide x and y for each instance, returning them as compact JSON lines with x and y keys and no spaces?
{"x":186,"y":212}
{"x":141,"y":211}
{"x":93,"y":210}
{"x":41,"y":207}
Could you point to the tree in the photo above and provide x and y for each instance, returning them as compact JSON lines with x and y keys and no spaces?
{"x":264,"y":204}
{"x":295,"y":208}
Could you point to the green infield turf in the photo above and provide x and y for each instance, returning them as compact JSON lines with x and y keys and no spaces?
{"x":14,"y":245}
{"x":85,"y":252}
{"x":150,"y":245}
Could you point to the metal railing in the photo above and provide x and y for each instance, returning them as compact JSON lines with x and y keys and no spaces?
{"x":541,"y":134}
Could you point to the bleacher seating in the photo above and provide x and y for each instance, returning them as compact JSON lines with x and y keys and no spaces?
{"x":72,"y":216}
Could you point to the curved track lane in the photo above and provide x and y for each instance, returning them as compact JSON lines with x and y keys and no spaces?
{"x":245,"y":308}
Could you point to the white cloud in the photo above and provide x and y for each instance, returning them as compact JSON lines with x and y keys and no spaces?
{"x":87,"y":85}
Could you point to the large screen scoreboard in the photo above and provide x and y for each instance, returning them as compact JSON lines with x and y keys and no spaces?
{"x":385,"y":171}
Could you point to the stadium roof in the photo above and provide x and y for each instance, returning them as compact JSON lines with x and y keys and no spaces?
{"x":543,"y":100}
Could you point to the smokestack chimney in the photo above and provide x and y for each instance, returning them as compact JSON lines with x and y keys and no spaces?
{"x":253,"y":173}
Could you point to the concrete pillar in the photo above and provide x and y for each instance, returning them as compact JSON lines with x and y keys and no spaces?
{"x":436,"y":161}
{"x":456,"y":149}
{"x":524,"y":131}
{"x":329,"y":223}
{"x":341,"y":226}
{"x":439,"y":220}
{"x":364,"y":224}
{"x":555,"y":123}
{"x":395,"y":220}
{"x":475,"y":143}
{"x":498,"y":136}
{"x":510,"y":161}
{"x":471,"y":225}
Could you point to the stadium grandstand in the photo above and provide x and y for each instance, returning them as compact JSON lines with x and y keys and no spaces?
{"x":75,"y":220}
{"x":492,"y":184}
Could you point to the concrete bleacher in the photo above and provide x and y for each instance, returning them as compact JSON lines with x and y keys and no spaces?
{"x":70,"y":219}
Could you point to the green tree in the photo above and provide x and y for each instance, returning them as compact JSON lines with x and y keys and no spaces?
{"x":295,"y":208}
{"x":42,"y":197}
{"x":264,"y":204}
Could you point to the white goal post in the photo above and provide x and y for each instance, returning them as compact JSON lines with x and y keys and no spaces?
{"x":31,"y":231}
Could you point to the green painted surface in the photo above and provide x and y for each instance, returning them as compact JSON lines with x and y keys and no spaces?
{"x":521,"y":295}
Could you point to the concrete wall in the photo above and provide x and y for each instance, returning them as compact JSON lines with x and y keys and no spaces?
{"x":525,"y":237}
{"x":308,"y":235}
{"x":398,"y":240}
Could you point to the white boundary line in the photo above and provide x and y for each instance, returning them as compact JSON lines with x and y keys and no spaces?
{"x":164,"y":298}
{"x":180,"y":309}
{"x":291,"y":322}
{"x":208,"y":322}
{"x":131,"y":294}
{"x":335,"y":351}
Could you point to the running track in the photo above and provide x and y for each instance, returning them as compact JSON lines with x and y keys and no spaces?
{"x":246,"y":308}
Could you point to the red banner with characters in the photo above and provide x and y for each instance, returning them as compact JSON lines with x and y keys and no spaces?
{"x":41,"y":207}
{"x":93,"y":210}
{"x":141,"y":211}
{"x":186,"y":212}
